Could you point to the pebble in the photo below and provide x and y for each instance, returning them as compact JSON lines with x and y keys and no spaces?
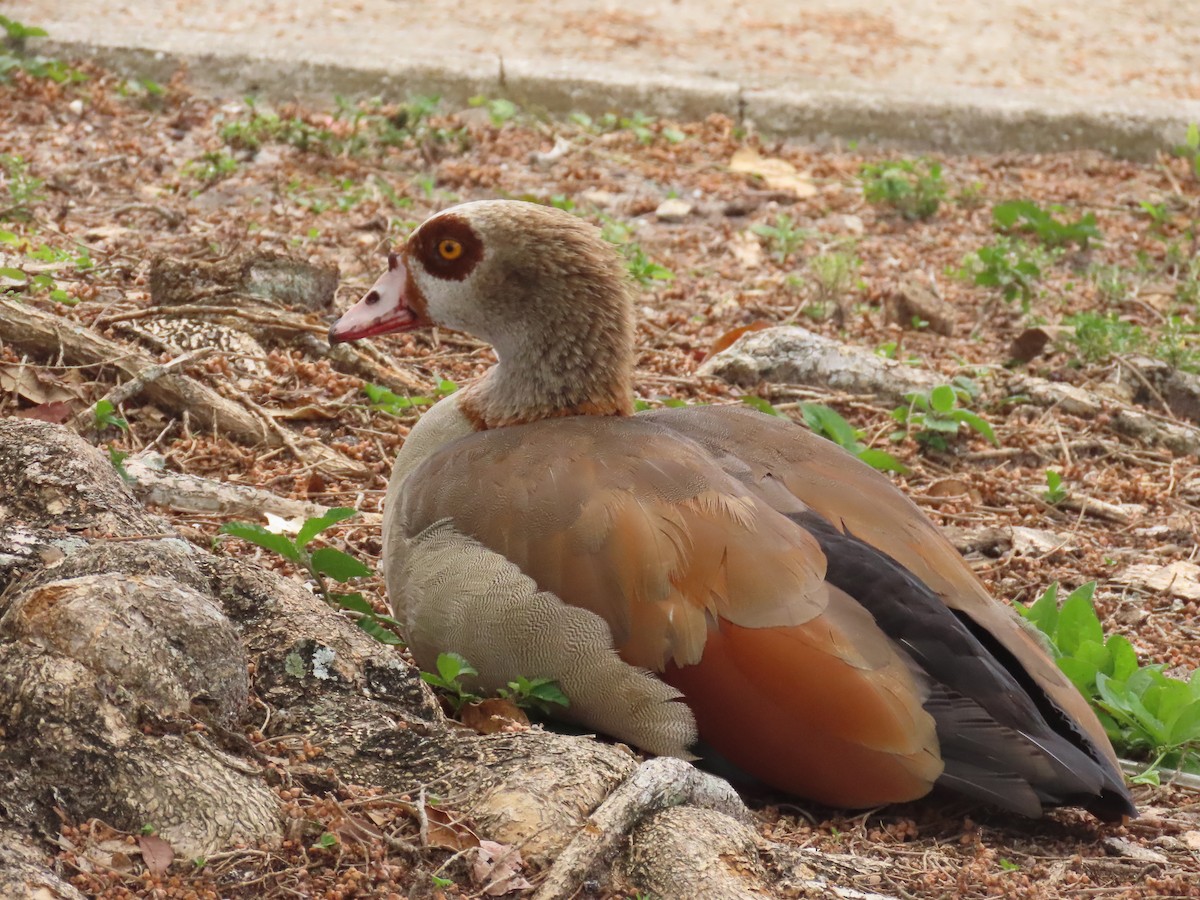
{"x":673,"y":210}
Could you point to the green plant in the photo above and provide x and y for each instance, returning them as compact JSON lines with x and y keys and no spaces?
{"x":934,"y":416}
{"x":1055,"y":493}
{"x":499,"y":110}
{"x":211,"y":166}
{"x":1100,"y":336}
{"x":829,"y":424}
{"x":14,"y":56}
{"x":1190,"y":148}
{"x":104,"y":415}
{"x":1112,"y":283}
{"x":783,"y":238}
{"x":833,"y":273}
{"x":322,"y":563}
{"x":914,"y":188}
{"x":643,"y":269}
{"x":21,"y":189}
{"x":117,"y":458}
{"x":536,"y":694}
{"x":451,"y":669}
{"x":383,"y":399}
{"x":645,"y":128}
{"x":326,"y":841}
{"x":1158,"y":214}
{"x":1027,"y":216}
{"x":1145,"y":712}
{"x":1010,"y":266}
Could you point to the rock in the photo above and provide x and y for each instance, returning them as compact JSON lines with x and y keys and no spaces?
{"x":1032,"y":342}
{"x":914,"y":301}
{"x":673,"y":210}
{"x":267,"y":276}
{"x":794,"y":355}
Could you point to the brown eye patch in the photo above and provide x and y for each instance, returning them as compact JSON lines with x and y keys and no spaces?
{"x":449,"y":248}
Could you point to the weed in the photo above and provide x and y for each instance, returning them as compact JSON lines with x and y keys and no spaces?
{"x":1026,"y":216}
{"x":499,"y":110}
{"x":1100,"y":336}
{"x":783,"y":238}
{"x":1112,"y":283}
{"x":535,"y":694}
{"x":971,"y":196}
{"x":104,"y":415}
{"x":15,"y":58}
{"x":451,"y":669}
{"x":833,"y":273}
{"x":1144,"y":712}
{"x":1190,"y":148}
{"x":643,"y":269}
{"x":20,"y":189}
{"x":211,"y":167}
{"x":322,"y":563}
{"x":117,"y":458}
{"x":393,"y":404}
{"x":645,"y":128}
{"x":326,"y":841}
{"x":1158,"y":214}
{"x":1178,"y":344}
{"x":1012,"y":267}
{"x":934,"y":416}
{"x":829,"y":424}
{"x":1055,"y":493}
{"x":914,"y":188}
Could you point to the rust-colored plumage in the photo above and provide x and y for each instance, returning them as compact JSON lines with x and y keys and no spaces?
{"x":823,"y":636}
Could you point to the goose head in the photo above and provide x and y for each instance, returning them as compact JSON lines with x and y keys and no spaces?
{"x":539,"y":284}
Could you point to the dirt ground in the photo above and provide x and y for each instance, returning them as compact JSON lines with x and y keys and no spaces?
{"x":113,"y":175}
{"x":1103,"y":50}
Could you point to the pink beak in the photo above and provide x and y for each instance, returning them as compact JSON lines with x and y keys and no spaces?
{"x":383,"y":309}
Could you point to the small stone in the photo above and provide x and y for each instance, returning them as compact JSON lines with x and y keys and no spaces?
{"x":76,"y":106}
{"x":603,"y":199}
{"x":673,"y":210}
{"x":913,"y":302}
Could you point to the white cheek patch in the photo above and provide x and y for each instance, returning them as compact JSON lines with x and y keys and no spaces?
{"x":453,"y":304}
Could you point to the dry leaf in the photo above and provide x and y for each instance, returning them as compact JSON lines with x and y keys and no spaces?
{"x":778,"y":174}
{"x":35,"y":385}
{"x":1192,"y":839}
{"x":1179,"y":579}
{"x":725,"y":341}
{"x":746,"y":249}
{"x":497,"y":869}
{"x":444,"y":830}
{"x":157,"y":854}
{"x":56,"y":412}
{"x":493,"y":716}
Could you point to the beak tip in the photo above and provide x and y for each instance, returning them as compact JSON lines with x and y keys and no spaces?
{"x":333,"y":336}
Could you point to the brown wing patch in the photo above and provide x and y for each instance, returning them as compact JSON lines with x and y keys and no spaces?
{"x":448,"y":247}
{"x":622,"y":518}
{"x":825,"y":710}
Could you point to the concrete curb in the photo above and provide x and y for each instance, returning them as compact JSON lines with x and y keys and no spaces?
{"x":965,"y":121}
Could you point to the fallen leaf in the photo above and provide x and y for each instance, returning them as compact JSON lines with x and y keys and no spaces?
{"x":777,"y":174}
{"x":497,"y":869}
{"x":746,"y":249}
{"x":1179,"y":579}
{"x":56,"y":412}
{"x":493,"y":716}
{"x":1192,"y":839}
{"x":444,"y":831}
{"x":726,"y":340}
{"x":35,"y":385}
{"x":157,"y":854}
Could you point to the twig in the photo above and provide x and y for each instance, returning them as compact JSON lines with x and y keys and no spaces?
{"x":137,"y":384}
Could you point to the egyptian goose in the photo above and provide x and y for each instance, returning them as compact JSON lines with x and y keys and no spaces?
{"x":708,"y":578}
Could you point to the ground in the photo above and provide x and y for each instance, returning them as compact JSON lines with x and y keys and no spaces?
{"x":103,"y":176}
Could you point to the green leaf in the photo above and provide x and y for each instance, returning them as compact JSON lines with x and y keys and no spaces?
{"x":325,"y":842}
{"x":452,"y":666}
{"x":1123,"y":657}
{"x":338,"y":565}
{"x":1078,"y":622}
{"x":882,"y":460}
{"x":1185,"y":728}
{"x":1081,"y":672}
{"x":312,"y":527}
{"x":761,"y":405}
{"x":1043,"y":614}
{"x":829,"y":422}
{"x":942,"y":398}
{"x":14,"y":274}
{"x":548,"y":691}
{"x":978,"y":423}
{"x":354,"y":603}
{"x":375,"y":629}
{"x":268,"y":540}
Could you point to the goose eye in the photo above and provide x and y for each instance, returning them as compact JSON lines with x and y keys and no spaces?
{"x":449,"y":249}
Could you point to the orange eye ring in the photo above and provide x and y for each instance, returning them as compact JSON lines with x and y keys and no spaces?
{"x":449,"y":249}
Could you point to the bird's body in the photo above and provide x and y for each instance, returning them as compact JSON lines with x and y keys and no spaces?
{"x":704,"y":574}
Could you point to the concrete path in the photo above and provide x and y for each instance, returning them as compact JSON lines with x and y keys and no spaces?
{"x":1120,"y":75}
